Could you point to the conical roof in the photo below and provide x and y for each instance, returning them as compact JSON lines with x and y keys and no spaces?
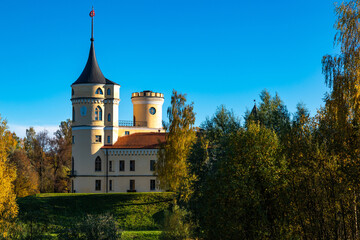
{"x":254,"y":111}
{"x":92,"y":72}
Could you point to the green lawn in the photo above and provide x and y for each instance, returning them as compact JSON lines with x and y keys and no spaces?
{"x":143,"y":235}
{"x":133,"y":211}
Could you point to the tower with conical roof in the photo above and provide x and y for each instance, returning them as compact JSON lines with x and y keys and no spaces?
{"x":95,"y":103}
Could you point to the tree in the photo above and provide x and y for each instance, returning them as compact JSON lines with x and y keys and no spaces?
{"x":27,"y":180}
{"x":171,"y":167}
{"x":8,"y":206}
{"x":61,"y":157}
{"x":272,"y":113}
{"x":242,"y":188}
{"x":342,"y":110}
{"x":38,"y":148}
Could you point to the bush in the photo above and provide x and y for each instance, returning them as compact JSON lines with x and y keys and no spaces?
{"x":175,"y":227}
{"x":21,"y":231}
{"x":93,"y":227}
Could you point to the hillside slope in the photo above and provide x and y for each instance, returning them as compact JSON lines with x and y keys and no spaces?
{"x":133,"y":211}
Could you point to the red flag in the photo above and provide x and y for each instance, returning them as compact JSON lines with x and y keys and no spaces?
{"x":92,"y":13}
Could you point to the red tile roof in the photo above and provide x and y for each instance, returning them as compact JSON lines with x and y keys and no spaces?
{"x":138,"y":141}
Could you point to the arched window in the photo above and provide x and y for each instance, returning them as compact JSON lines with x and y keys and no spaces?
{"x":99,"y":91}
{"x":98,"y":114}
{"x":73,"y":114}
{"x":98,"y":164}
{"x":109,"y":117}
{"x":108,"y":91}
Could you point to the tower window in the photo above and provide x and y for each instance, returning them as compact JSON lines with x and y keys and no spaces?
{"x":132,"y":165}
{"x":152,"y":184}
{"x":108,"y":91}
{"x":99,"y":91}
{"x":73,"y":139}
{"x":73,"y":114}
{"x":98,"y":164}
{"x":127,"y":133}
{"x":97,"y":185}
{"x":108,"y":139}
{"x":109,"y":117}
{"x":98,"y":138}
{"x":98,"y":113}
{"x":152,"y":110}
{"x":72,"y":91}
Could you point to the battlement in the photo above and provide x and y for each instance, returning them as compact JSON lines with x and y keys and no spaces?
{"x":147,"y":93}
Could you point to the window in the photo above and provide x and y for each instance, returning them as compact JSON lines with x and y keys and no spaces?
{"x":152,"y":165}
{"x":132,"y":165}
{"x":72,"y":91}
{"x":98,"y":164}
{"x":152,"y":110}
{"x":98,"y":113}
{"x":110,"y":185}
{"x":72,"y":164}
{"x":127,"y":133}
{"x":132,"y":185}
{"x":97,"y":185}
{"x":109,"y":117}
{"x":73,"y":114}
{"x":108,"y":91}
{"x":110,"y":166}
{"x":98,"y":138}
{"x":99,"y":91}
{"x":108,"y":139}
{"x":122,"y":165}
{"x":73,"y":139}
{"x":152,"y":184}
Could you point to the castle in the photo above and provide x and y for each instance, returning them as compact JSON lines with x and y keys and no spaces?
{"x":109,"y":155}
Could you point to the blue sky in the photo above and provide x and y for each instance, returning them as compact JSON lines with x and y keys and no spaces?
{"x":217,"y":52}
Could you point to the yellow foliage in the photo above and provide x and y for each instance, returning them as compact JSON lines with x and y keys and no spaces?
{"x":8,"y":206}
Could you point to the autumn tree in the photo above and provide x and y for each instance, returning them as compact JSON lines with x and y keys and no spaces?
{"x":342,"y":109}
{"x":38,"y":148}
{"x":27,"y":180}
{"x":8,"y":206}
{"x":171,"y":167}
{"x":61,"y":157}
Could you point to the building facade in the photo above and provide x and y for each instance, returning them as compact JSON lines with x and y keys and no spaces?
{"x":108,"y":154}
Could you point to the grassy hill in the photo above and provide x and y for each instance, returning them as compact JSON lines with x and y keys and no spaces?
{"x":133,"y":211}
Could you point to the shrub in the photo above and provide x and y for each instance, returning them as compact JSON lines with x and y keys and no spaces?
{"x":93,"y":227}
{"x":175,"y":226}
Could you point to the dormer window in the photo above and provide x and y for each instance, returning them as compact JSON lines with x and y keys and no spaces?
{"x":99,"y":91}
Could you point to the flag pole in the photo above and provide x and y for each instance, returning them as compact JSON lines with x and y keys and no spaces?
{"x":92,"y":24}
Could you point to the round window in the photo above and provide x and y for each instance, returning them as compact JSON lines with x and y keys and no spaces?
{"x":152,"y":110}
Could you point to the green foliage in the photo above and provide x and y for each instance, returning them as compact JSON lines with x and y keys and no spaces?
{"x":171,"y":167}
{"x":272,"y":113}
{"x":175,"y":227}
{"x":92,"y":227}
{"x":143,"y":235}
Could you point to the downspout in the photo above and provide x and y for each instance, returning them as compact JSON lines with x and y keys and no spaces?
{"x":107,"y":171}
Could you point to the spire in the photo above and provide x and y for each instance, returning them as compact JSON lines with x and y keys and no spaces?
{"x":92,"y":72}
{"x":254,"y":110}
